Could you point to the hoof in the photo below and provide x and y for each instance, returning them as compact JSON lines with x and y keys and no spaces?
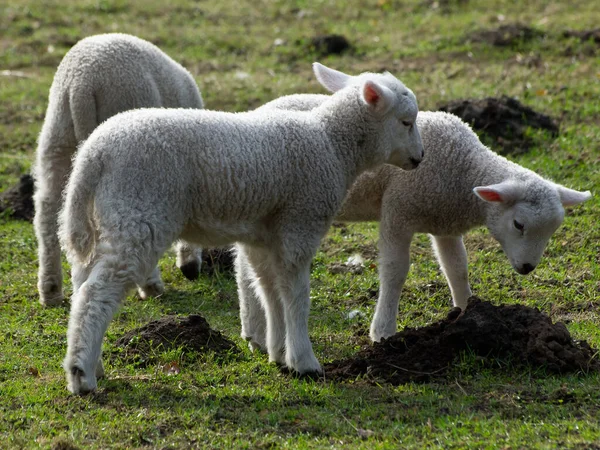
{"x":191,"y":270}
{"x":311,"y":375}
{"x":79,"y":383}
{"x":305,"y":366}
{"x":284,"y":369}
{"x":151,"y":290}
{"x":377,"y":334}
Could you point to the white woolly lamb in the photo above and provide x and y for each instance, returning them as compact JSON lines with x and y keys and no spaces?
{"x":99,"y":77}
{"x":460,"y":185}
{"x":269,"y":180}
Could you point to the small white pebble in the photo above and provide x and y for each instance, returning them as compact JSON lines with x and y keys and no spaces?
{"x":355,"y":261}
{"x":355,"y":313}
{"x":239,"y":75}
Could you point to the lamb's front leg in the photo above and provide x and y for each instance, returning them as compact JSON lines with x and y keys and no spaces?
{"x":293,"y":283}
{"x":452,"y":256}
{"x":394,"y":262}
{"x":252,"y":314}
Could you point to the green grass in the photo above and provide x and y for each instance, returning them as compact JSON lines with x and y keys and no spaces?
{"x":242,"y":401}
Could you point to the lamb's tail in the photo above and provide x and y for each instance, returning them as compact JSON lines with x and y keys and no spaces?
{"x":82,"y":103}
{"x":77,"y":231}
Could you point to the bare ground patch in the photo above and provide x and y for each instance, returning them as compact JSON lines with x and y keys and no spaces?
{"x":506,"y":35}
{"x":19,"y":199}
{"x":516,"y":332}
{"x":505,"y":120}
{"x":192,"y":332}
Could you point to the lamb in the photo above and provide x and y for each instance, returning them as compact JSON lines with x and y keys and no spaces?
{"x":98,"y":78}
{"x":269,"y":180}
{"x":460,"y":185}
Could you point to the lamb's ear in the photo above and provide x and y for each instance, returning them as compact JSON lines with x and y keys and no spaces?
{"x":377,"y":96}
{"x":330,"y":79}
{"x":505,"y":192}
{"x":571,"y":197}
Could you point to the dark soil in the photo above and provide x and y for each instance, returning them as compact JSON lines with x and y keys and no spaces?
{"x":332,"y":44}
{"x":192,"y":333}
{"x":504,"y":120}
{"x":505,"y":35}
{"x":520,"y":334}
{"x":63,"y":444}
{"x":19,"y":199}
{"x":584,"y":35}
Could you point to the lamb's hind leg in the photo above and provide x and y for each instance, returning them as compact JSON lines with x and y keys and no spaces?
{"x":252,"y":314}
{"x":50,"y":176}
{"x":189,"y":259}
{"x":452,"y":256}
{"x":92,"y":309}
{"x":394,"y":262}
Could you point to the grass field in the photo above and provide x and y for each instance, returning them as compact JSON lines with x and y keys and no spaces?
{"x":243,"y":54}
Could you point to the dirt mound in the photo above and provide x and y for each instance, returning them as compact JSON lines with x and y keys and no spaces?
{"x":505,"y":35}
{"x":19,"y":199}
{"x":505,"y":120}
{"x":331,"y":44}
{"x":584,"y":35}
{"x":170,"y":332}
{"x":519,"y":333}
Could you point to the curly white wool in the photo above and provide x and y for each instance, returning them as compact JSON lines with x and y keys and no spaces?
{"x":99,"y":77}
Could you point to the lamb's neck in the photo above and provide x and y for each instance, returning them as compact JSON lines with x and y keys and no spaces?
{"x":349,"y":133}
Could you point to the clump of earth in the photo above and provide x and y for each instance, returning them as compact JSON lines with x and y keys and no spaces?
{"x":331,"y":44}
{"x":193,"y":333}
{"x":504,"y":120}
{"x":584,"y":35}
{"x":523,"y":335}
{"x":505,"y":35}
{"x":19,"y":199}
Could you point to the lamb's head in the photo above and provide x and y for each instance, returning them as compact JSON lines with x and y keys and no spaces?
{"x":523,"y":215}
{"x":390,"y":107}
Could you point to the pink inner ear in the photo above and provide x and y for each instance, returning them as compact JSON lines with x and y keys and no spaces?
{"x":489,"y":195}
{"x":371,"y":95}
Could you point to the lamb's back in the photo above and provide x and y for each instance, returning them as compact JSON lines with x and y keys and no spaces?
{"x":437,"y":197}
{"x":227,"y":165}
{"x":120,"y":68}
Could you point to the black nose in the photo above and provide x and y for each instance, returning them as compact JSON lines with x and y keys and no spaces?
{"x":525,"y":269}
{"x":414,"y":162}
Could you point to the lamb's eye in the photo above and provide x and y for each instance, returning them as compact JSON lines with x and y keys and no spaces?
{"x":519,"y":226}
{"x":406,"y":124}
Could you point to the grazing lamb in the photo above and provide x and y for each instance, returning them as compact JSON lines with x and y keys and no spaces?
{"x":459,"y":185}
{"x":269,"y":180}
{"x":98,"y":78}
